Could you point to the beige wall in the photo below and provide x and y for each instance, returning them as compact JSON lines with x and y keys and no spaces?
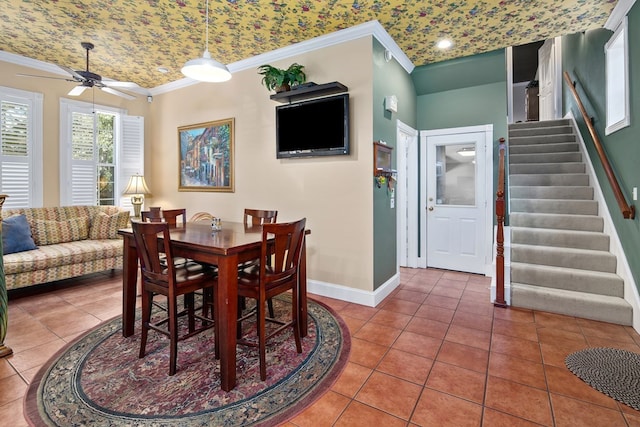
{"x":52,"y":91}
{"x":333,"y":193}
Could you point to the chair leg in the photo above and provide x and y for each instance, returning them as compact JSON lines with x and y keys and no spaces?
{"x":262,"y":347}
{"x":270,"y":305}
{"x":296,"y":321}
{"x":241,"y":302}
{"x":189,"y":303}
{"x":147,"y":300}
{"x":173,"y":335}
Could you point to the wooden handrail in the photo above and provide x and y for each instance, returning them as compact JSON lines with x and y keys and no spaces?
{"x":500,"y":213}
{"x":628,"y":211}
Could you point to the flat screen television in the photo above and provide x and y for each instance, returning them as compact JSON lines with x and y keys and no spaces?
{"x":318,"y":127}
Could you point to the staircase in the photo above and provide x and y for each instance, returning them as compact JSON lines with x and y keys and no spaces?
{"x":560,"y":259}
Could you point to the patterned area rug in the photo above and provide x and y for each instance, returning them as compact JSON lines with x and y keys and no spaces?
{"x":611,"y":371}
{"x":98,"y":380}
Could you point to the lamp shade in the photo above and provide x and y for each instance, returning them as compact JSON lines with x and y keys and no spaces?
{"x":137,"y":185}
{"x":206,"y":69}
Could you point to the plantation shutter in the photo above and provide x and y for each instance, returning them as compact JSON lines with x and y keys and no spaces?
{"x":83,"y":159}
{"x":131,"y":155}
{"x":20,"y":148}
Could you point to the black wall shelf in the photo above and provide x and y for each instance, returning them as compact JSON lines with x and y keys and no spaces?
{"x":308,"y":92}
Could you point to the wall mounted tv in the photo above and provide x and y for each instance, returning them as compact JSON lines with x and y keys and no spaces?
{"x":318,"y":127}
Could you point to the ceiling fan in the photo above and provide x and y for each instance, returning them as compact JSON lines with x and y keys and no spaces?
{"x":87,"y":79}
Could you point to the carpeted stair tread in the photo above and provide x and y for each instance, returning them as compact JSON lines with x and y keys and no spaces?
{"x":540,"y":124}
{"x":532,"y":168}
{"x":562,"y":147}
{"x":571,"y":279}
{"x":560,"y":238}
{"x":580,"y":304}
{"x":545,"y":158}
{"x":576,"y":207}
{"x":567,"y":192}
{"x":564,"y":179}
{"x":557,"y":221}
{"x":547,"y":130}
{"x":540,"y":139}
{"x":564,"y":257}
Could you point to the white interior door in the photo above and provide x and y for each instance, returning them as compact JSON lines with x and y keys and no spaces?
{"x":546,"y":69}
{"x":456,"y":209}
{"x":407,"y":186}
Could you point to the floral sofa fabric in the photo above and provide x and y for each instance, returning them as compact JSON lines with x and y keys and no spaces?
{"x":71,"y":241}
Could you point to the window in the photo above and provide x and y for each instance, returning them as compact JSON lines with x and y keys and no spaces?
{"x":21,"y":148}
{"x":617,"y":76}
{"x":101,"y":147}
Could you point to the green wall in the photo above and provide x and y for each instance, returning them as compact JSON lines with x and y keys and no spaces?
{"x":484,"y":103}
{"x":583,"y":59}
{"x":389,"y":78}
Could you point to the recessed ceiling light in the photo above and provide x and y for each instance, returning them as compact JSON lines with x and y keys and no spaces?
{"x":444,"y":44}
{"x":163,"y":70}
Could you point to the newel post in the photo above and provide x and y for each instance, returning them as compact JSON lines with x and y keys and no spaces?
{"x":4,"y":302}
{"x":500,"y":213}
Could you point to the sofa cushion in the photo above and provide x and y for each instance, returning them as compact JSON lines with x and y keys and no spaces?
{"x":47,"y":232}
{"x":105,"y":226}
{"x":16,"y":235}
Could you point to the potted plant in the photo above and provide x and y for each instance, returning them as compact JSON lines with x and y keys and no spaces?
{"x":281,"y":80}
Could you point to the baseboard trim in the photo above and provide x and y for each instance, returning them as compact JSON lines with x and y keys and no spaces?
{"x":356,"y":296}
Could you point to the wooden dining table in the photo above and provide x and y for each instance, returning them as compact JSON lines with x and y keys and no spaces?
{"x":225,"y":248}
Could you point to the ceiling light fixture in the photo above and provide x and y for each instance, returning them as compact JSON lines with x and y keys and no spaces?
{"x":206,"y":69}
{"x":467,"y":152}
{"x":444,"y":44}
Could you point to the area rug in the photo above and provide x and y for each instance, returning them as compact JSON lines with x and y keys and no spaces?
{"x":98,"y":380}
{"x":611,"y":371}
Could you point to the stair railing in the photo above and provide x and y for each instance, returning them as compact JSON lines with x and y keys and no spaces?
{"x":628,"y":211}
{"x":500,"y":214}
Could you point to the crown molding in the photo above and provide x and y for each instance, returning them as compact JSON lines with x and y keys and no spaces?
{"x":621,"y":10}
{"x":371,"y":28}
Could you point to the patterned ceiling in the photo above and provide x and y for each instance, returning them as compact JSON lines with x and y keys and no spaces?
{"x":133,"y":38}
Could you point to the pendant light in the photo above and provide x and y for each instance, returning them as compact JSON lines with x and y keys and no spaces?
{"x":206,"y":69}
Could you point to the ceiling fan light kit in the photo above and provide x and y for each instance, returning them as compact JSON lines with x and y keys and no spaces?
{"x":206,"y":69}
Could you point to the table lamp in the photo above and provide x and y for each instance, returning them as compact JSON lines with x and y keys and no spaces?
{"x":137,"y":188}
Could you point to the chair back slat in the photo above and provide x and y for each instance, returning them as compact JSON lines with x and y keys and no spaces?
{"x":149,"y":251}
{"x":258,"y":217}
{"x":286,"y":249}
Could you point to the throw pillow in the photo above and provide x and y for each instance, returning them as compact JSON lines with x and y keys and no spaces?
{"x":46,"y":232}
{"x":16,"y":235}
{"x":106,"y":226}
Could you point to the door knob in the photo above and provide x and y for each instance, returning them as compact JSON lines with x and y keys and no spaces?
{"x":430,"y":208}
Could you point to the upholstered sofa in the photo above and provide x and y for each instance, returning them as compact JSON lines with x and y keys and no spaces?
{"x":55,"y":243}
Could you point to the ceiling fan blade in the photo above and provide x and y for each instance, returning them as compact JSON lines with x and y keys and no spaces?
{"x":115,"y":83}
{"x":78,"y":90}
{"x":117,"y":93}
{"x":45,"y":77}
{"x":71,"y":71}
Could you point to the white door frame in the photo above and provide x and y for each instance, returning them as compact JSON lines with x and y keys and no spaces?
{"x":406,"y":190}
{"x":488,"y":182}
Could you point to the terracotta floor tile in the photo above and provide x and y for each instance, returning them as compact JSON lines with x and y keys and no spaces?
{"x":391,"y":318}
{"x":592,"y":328}
{"x":324,"y":412}
{"x":443,"y":410}
{"x":428,"y":327}
{"x":463,"y":356}
{"x":493,"y":418}
{"x":456,"y":275}
{"x":358,"y":311}
{"x":569,"y":412}
{"x":555,"y":354}
{"x":357,"y":415}
{"x":473,"y":321}
{"x":353,"y":323}
{"x":468,"y":336}
{"x":527,"y":331}
{"x":446,"y":291}
{"x":484,"y":308}
{"x":411,"y":295}
{"x":517,"y":370}
{"x":460,"y":382}
{"x":603,"y":342}
{"x":444,"y":315}
{"x":633,"y":420}
{"x":366,"y":353}
{"x":443,"y":302}
{"x":557,"y":321}
{"x":552,"y":335}
{"x":378,"y":334}
{"x":11,"y":414}
{"x":6,"y":370}
{"x":13,"y":388}
{"x":401,"y":306}
{"x":514,"y":314}
{"x":390,"y":394}
{"x":418,"y":344}
{"x":516,"y":347}
{"x":406,"y":366}
{"x":519,"y":400}
{"x":35,"y":356}
{"x":562,"y":381}
{"x":351,"y":379}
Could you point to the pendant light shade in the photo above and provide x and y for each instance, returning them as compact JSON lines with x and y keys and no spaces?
{"x":206,"y":69}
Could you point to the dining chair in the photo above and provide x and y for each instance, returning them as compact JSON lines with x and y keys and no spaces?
{"x":152,"y":215}
{"x":170,"y":280}
{"x":282,"y":243}
{"x":252,"y":218}
{"x":171,"y":216}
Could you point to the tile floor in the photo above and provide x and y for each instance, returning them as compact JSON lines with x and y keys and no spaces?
{"x":434,"y":353}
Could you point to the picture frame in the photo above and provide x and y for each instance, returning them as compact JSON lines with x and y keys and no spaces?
{"x":205,"y":156}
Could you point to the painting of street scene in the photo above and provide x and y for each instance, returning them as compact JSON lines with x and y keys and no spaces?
{"x":206,"y":156}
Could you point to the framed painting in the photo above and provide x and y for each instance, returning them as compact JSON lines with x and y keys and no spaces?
{"x":206,"y":156}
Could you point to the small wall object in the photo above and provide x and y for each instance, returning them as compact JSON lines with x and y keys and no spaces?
{"x":382,"y":164}
{"x":391,"y":103}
